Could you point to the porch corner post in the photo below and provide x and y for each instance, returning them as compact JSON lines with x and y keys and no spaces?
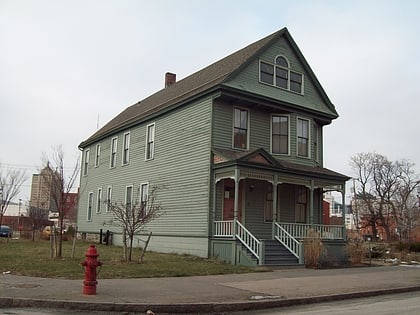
{"x":274,"y":207}
{"x":343,"y":200}
{"x":311,"y":203}
{"x":213,"y":210}
{"x":236,"y":201}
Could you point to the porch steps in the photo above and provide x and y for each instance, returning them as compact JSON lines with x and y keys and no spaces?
{"x":276,"y":254}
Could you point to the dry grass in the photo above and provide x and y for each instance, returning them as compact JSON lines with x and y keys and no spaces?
{"x":33,"y":259}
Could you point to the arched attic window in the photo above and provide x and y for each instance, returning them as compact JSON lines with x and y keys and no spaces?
{"x":279,"y":74}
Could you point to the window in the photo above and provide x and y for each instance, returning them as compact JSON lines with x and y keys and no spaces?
{"x":303,"y":137}
{"x":126,"y":149}
{"x":99,"y":200}
{"x":240,"y":128}
{"x":86,"y":163}
{"x":108,"y":199}
{"x":150,"y":141}
{"x":301,"y":204}
{"x":144,"y":195}
{"x":113,"y":158}
{"x":280,"y":75}
{"x":280,"y":134}
{"x":128,"y":198}
{"x":97,"y":155}
{"x":90,"y":205}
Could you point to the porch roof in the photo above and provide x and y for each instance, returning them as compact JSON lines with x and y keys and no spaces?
{"x":261,"y":159}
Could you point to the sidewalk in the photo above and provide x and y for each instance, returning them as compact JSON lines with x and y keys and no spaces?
{"x":210,"y":294}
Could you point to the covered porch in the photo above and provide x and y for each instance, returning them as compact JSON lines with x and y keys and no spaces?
{"x":263,"y":210}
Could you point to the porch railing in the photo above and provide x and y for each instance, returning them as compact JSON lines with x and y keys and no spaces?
{"x":300,"y":230}
{"x":288,"y":241}
{"x":235,"y":228}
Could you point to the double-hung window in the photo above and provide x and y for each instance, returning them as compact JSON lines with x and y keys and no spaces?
{"x":97,"y":155}
{"x":108,"y":199}
{"x":113,"y":157}
{"x":303,"y":137}
{"x":126,"y":149}
{"x":144,"y":196}
{"x":240,"y":128}
{"x":86,"y":163}
{"x":128,"y":198}
{"x":150,"y":142}
{"x":89,"y":207}
{"x":280,"y":134}
{"x":99,"y":200}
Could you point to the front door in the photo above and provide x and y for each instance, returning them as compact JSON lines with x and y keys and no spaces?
{"x":229,"y":200}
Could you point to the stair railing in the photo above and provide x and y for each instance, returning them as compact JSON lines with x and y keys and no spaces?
{"x":288,"y":241}
{"x":248,"y":240}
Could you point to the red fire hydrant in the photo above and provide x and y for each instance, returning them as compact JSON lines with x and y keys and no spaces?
{"x":91,"y":263}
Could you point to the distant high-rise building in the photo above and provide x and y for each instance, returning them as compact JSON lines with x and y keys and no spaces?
{"x":42,"y":190}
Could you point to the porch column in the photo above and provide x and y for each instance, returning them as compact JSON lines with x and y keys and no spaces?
{"x":236,"y":202}
{"x":274,"y":206}
{"x":311,"y":203}
{"x":343,"y":201}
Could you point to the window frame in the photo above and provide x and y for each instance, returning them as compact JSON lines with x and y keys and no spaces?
{"x":99,"y":200}
{"x":272,"y":134}
{"x":113,"y":152}
{"x":308,"y":139}
{"x":277,"y":68}
{"x":86,"y":162}
{"x":234,"y":127}
{"x":131,"y":197}
{"x":108,"y":198}
{"x":144,"y":198}
{"x":97,"y":154}
{"x":125,"y":158}
{"x":90,"y":205}
{"x":149,"y":153}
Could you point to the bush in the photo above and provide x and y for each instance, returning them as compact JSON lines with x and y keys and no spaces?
{"x":356,"y":250}
{"x":314,"y":249}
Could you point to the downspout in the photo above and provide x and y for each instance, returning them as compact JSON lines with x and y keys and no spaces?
{"x":311,"y":203}
{"x":274,"y":206}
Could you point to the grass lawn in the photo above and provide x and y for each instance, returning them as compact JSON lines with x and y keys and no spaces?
{"x":23,"y":257}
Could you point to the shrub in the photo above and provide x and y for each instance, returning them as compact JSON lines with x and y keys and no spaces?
{"x":314,"y":249}
{"x":356,"y":249}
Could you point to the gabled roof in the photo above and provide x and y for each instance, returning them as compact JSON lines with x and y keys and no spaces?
{"x":197,"y":84}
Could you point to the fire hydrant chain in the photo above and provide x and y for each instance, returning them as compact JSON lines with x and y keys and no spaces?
{"x":91,"y":263}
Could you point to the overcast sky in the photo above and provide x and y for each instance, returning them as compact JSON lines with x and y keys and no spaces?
{"x":67,"y":67}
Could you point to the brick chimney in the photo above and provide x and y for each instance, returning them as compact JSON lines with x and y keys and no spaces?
{"x":170,"y":78}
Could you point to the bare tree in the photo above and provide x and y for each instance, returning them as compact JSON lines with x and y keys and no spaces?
{"x":133,"y":216}
{"x":61,"y":184}
{"x":384,"y":191}
{"x":11,"y":181}
{"x":37,"y":217}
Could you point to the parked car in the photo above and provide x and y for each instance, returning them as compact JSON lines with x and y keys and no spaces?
{"x":6,"y":231}
{"x":48,"y":230}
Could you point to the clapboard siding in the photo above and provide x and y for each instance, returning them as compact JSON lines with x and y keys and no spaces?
{"x":180,"y":169}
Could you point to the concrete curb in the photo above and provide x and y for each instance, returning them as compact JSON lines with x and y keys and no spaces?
{"x":197,"y":308}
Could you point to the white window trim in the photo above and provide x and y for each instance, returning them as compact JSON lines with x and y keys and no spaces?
{"x":147,"y":142}
{"x":111,"y":152}
{"x":288,"y":74}
{"x":309,"y":138}
{"x":123,"y":149}
{"x":86,"y":162}
{"x":248,"y":131}
{"x":99,"y":200}
{"x":91,"y":203}
{"x":108,"y":198}
{"x":97,"y":154}
{"x":288,"y":134}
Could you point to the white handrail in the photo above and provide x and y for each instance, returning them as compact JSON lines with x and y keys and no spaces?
{"x":223,"y":228}
{"x":248,"y":240}
{"x":288,"y":241}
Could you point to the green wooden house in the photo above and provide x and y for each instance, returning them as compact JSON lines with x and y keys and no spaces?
{"x":236,"y":150}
